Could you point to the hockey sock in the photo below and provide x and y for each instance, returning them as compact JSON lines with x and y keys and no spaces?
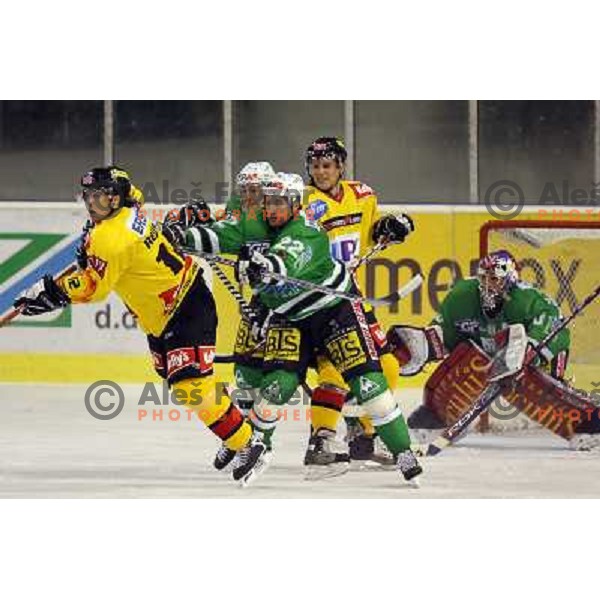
{"x":391,"y":370}
{"x":386,"y":416}
{"x":326,"y":406}
{"x":221,"y":416}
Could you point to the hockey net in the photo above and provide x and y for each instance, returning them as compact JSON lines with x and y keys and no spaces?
{"x":561,"y":258}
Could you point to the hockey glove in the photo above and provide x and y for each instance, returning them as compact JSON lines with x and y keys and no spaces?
{"x":193,"y":213}
{"x":81,"y":251}
{"x":253,"y":268}
{"x":392,"y":228}
{"x":44,"y":296}
{"x":259,"y":323}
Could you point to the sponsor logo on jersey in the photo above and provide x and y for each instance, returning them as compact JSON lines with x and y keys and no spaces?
{"x":345,"y":247}
{"x":346,"y":352}
{"x":361,"y":190}
{"x":179,"y":358}
{"x":367,"y":387}
{"x":207,"y":358}
{"x":315,"y":210}
{"x":377,"y":334}
{"x":467,"y":326}
{"x":138,"y":223}
{"x":273,"y":393}
{"x":157,"y":361}
{"x":98,"y":265}
{"x":342,"y":221}
{"x":283,"y":343}
{"x":261,"y":247}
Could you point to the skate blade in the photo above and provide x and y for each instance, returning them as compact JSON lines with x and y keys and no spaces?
{"x":414,"y":483}
{"x":372,"y":465}
{"x":259,"y":468}
{"x":318,"y":472}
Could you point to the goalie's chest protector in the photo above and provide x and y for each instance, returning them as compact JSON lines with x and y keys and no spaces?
{"x":348,"y":221}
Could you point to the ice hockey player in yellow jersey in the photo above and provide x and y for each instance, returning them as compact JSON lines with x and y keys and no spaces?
{"x":124,"y":252}
{"x":349,"y":213}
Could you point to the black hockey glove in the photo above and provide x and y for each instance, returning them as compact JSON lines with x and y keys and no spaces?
{"x":392,"y":228}
{"x":44,"y":296}
{"x":176,"y":224}
{"x":81,"y":251}
{"x":259,"y":323}
{"x":253,"y":268}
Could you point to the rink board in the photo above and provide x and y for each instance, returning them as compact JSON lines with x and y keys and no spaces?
{"x":102,"y":341}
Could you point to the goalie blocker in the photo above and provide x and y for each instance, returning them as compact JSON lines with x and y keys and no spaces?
{"x":463,"y":375}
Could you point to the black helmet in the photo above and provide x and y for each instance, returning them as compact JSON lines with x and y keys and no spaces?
{"x":113,"y":180}
{"x":326,"y":147}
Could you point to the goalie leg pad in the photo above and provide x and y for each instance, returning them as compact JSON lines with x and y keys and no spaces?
{"x":457,"y":382}
{"x":554,"y":404}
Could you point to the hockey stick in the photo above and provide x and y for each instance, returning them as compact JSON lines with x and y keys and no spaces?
{"x":495,"y":387}
{"x":244,"y":306}
{"x":15,"y":312}
{"x":392,"y":298}
{"x":378,"y":247}
{"x":401,"y":293}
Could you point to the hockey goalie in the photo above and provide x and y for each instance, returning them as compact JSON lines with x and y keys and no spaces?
{"x":479,"y":317}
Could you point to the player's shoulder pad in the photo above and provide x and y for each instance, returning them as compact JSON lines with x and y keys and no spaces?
{"x":114,"y":235}
{"x":468,"y":285}
{"x":527,"y":296}
{"x":360,"y":190}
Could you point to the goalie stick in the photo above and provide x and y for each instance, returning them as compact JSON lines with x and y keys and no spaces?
{"x":413,"y":284}
{"x":495,"y":387}
{"x":15,"y":312}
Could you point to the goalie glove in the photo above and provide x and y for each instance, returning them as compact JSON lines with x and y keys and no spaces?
{"x":414,"y":347}
{"x":392,"y":228}
{"x":254,"y":268}
{"x":44,"y":296}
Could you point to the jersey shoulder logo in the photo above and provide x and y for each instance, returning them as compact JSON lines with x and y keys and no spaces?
{"x":361,"y":190}
{"x":138,"y":223}
{"x":315,"y":210}
{"x":467,"y":326}
{"x":98,"y":265}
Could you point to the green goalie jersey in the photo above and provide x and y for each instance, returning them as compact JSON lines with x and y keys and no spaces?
{"x":461,"y":317}
{"x":299,"y":250}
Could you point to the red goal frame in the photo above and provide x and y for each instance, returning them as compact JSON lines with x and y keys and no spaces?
{"x":531,"y":224}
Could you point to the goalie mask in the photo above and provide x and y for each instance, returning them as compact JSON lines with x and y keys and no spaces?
{"x":497,"y":274}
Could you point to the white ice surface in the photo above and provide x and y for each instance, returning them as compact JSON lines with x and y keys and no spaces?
{"x":50,"y":447}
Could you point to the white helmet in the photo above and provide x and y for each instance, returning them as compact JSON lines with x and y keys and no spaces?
{"x":289,"y":185}
{"x":255,"y":173}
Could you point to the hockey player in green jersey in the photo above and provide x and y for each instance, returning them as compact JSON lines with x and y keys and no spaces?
{"x":243,"y":230}
{"x":301,"y":322}
{"x":472,"y":324}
